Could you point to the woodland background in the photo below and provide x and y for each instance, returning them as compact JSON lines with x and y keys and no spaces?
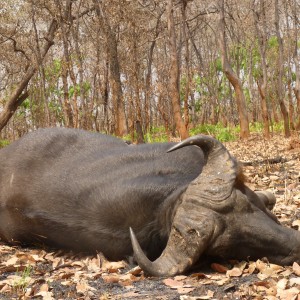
{"x":148,"y":71}
{"x":144,"y":66}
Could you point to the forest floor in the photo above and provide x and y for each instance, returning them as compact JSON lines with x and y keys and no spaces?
{"x":274,"y":165}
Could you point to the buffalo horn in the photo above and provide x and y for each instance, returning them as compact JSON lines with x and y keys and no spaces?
{"x":192,"y":228}
{"x":214,"y":185}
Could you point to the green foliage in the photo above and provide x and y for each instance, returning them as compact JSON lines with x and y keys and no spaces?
{"x":54,"y":69}
{"x":224,"y":89}
{"x":23,"y":282}
{"x":156,"y":138}
{"x":256,"y":62}
{"x":26,"y":103}
{"x":218,"y":65}
{"x":256,"y":127}
{"x":274,"y":127}
{"x":247,"y":95}
{"x":85,"y":86}
{"x":278,"y":127}
{"x":223,"y":134}
{"x":4,"y":143}
{"x":157,"y":135}
{"x":183,"y":82}
{"x":273,"y":42}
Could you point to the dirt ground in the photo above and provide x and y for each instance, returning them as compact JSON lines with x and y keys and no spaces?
{"x":273,"y":165}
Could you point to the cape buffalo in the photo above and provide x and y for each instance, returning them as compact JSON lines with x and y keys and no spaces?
{"x":167,"y":203}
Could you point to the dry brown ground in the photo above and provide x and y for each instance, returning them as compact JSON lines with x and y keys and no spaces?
{"x":40,"y":274}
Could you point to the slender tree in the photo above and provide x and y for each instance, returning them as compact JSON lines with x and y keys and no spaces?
{"x":114,"y":66}
{"x":231,"y":75}
{"x":263,"y":80}
{"x":20,"y":93}
{"x":280,"y":65}
{"x":174,"y":73}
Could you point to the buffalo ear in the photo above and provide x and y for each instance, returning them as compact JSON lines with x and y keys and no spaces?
{"x":267,"y":198}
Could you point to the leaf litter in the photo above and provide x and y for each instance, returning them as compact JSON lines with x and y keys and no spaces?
{"x":40,"y":274}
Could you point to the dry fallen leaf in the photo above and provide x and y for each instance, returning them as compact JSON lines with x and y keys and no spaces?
{"x":185,"y":290}
{"x":289,"y":294}
{"x":180,"y":277}
{"x":198,"y":275}
{"x":296,"y":269}
{"x":219,"y":268}
{"x":44,"y":287}
{"x":135,"y":271}
{"x":271,"y":291}
{"x":282,"y":283}
{"x":111,"y":278}
{"x":130,"y":294}
{"x":82,"y":287}
{"x":267,"y":270}
{"x":185,"y":297}
{"x":223,"y":281}
{"x":294,"y":281}
{"x":173,"y":284}
{"x":237,"y":270}
{"x":209,"y":295}
{"x":46,"y":295}
{"x":113,"y":266}
{"x":234,"y":272}
{"x":251,"y":268}
{"x":12,"y":261}
{"x":262,"y":283}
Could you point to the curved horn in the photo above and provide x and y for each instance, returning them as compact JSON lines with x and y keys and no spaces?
{"x":215,"y":183}
{"x":187,"y":241}
{"x":193,"y":228}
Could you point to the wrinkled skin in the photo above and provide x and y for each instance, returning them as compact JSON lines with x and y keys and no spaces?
{"x":83,"y":191}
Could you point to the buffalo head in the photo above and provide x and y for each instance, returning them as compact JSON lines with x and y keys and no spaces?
{"x":218,"y":215}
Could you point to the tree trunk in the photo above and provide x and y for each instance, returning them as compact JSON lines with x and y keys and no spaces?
{"x":297,"y":63}
{"x":148,"y":109}
{"x":63,"y":17}
{"x":115,"y":77}
{"x":174,"y":74}
{"x":262,"y":84}
{"x":162,"y":110}
{"x":187,"y":66}
{"x":137,"y":99}
{"x":86,"y":110}
{"x":291,"y":106}
{"x":18,"y":95}
{"x":232,"y":77}
{"x":280,"y":66}
{"x":44,"y":99}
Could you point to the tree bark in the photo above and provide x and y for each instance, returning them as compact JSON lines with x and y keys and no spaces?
{"x":115,"y":77}
{"x":187,"y":65}
{"x":64,"y":16}
{"x":262,"y":83}
{"x":46,"y":121}
{"x":174,"y":74}
{"x":296,"y":62}
{"x":148,"y":109}
{"x":232,"y":77}
{"x":18,"y":95}
{"x":138,"y":105}
{"x":280,"y":66}
{"x":86,"y":110}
